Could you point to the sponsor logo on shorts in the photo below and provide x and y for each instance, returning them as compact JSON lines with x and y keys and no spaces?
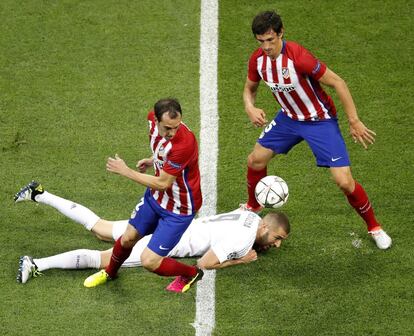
{"x":163,"y":248}
{"x":336,"y":159}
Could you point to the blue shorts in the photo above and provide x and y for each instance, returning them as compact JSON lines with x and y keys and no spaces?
{"x":323,"y":137}
{"x":166,"y":227}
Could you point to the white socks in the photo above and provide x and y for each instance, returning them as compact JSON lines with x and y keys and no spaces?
{"x":77,"y":259}
{"x":74,"y":211}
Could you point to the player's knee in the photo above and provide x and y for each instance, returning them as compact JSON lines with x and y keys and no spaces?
{"x":347,"y":185}
{"x":97,"y":235}
{"x":149,"y":264}
{"x":130,"y":237}
{"x":128,"y":241}
{"x":256,"y":161}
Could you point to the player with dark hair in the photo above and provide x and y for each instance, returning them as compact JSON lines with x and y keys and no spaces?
{"x":307,"y":113}
{"x":222,"y":240}
{"x":172,"y":198}
{"x":167,"y":105}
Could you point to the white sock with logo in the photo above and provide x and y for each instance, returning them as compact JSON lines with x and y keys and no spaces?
{"x":77,"y":259}
{"x":72,"y":210}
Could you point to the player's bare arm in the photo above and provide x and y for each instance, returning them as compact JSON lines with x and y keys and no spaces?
{"x":210,"y":261}
{"x":118,"y":166}
{"x":257,"y":116}
{"x":144,"y":164}
{"x":359,"y":132}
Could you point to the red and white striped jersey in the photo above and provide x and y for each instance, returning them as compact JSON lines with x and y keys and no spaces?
{"x":293,"y":79}
{"x":178,"y":157}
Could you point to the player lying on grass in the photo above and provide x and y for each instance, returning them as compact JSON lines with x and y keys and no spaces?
{"x":221,"y":241}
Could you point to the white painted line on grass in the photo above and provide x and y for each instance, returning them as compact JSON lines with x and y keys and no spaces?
{"x":205,"y":297}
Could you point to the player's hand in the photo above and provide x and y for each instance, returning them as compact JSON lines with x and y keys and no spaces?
{"x":249,"y":257}
{"x":360,"y":133}
{"x":144,"y":164}
{"x":116,"y":165}
{"x":257,"y":116}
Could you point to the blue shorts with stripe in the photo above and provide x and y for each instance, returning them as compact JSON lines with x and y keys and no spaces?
{"x":323,"y":137}
{"x":165,"y":226}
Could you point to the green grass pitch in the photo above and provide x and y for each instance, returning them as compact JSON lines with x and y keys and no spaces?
{"x":76,"y":81}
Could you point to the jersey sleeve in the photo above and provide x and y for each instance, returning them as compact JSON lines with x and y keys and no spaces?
{"x":151,"y":121}
{"x":151,"y":115}
{"x":179,"y":157}
{"x":234,"y":234}
{"x":252,"y":73}
{"x":308,"y":64}
{"x":231,"y":248}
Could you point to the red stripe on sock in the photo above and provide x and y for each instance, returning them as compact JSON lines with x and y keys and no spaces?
{"x":358,"y":199}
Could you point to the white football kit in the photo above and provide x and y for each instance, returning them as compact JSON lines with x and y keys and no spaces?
{"x":230,"y":235}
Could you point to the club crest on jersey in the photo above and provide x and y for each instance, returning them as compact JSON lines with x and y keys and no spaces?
{"x":161,"y":150}
{"x":232,"y":255}
{"x":285,"y":73}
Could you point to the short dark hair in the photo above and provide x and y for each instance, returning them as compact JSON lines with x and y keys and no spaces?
{"x":279,"y":219}
{"x":266,"y":20}
{"x":169,"y":105}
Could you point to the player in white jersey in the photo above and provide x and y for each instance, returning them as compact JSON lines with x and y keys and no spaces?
{"x":222,"y":240}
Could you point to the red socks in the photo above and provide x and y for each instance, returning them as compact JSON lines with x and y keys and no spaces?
{"x":360,"y":202}
{"x":254,"y":176}
{"x":119,"y":255}
{"x":170,"y":267}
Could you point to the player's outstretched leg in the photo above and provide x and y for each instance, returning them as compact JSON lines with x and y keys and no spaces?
{"x":27,"y":269}
{"x":29,"y":192}
{"x":34,"y":191}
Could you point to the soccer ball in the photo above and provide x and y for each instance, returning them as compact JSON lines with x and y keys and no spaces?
{"x":271,"y":192}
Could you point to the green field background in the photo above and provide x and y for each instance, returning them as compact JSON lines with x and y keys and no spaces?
{"x":76,"y":81}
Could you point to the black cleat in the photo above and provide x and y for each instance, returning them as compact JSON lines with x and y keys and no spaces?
{"x":29,"y":192}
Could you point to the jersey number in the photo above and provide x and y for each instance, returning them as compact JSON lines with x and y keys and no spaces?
{"x":267,"y":128}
